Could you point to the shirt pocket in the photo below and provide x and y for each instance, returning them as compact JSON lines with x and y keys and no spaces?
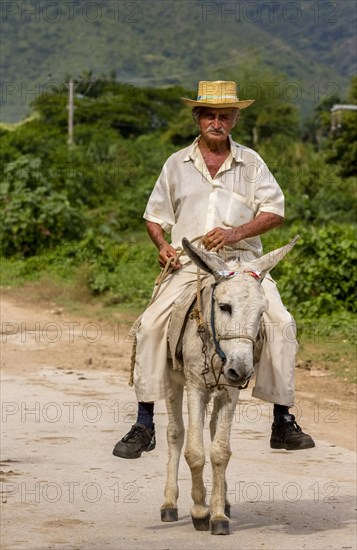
{"x":240,"y":210}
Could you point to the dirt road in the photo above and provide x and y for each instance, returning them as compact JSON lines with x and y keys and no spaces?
{"x":65,"y":402}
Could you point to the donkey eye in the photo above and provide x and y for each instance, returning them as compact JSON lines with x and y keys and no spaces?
{"x":226,"y":308}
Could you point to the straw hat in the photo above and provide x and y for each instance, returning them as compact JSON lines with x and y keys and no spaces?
{"x":217,"y":94}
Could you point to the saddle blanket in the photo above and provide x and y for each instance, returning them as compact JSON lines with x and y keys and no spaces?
{"x":178,"y":319}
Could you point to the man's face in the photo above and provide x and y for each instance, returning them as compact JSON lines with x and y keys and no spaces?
{"x":216,"y":124}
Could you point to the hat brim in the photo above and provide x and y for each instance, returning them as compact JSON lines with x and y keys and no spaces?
{"x":235,"y":104}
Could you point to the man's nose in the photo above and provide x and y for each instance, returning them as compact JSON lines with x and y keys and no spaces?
{"x":216,"y":122}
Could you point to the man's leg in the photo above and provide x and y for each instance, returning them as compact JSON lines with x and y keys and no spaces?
{"x":275,"y":374}
{"x":151,"y":375}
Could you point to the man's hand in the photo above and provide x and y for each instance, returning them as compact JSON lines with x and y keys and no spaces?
{"x":219,"y":237}
{"x":166,"y":251}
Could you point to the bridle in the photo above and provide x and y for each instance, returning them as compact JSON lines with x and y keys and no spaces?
{"x":228,"y":336}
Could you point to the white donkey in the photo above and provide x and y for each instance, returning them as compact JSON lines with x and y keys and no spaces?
{"x":232,"y":321}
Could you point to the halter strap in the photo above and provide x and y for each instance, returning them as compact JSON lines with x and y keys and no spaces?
{"x":217,"y":347}
{"x":229,"y":274}
{"x":216,"y":340}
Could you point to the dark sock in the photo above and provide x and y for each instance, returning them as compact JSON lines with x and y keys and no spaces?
{"x":146,"y":414}
{"x":280,"y":410}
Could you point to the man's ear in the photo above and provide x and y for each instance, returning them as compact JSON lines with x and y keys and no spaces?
{"x":236,"y":117}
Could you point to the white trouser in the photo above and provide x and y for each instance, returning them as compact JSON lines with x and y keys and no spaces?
{"x":275,"y":373}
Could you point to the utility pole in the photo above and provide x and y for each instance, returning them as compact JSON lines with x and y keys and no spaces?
{"x":70,"y":108}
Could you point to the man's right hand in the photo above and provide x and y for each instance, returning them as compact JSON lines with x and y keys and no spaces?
{"x":166,"y":251}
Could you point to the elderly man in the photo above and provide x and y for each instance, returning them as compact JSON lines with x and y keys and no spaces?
{"x":223,"y":190}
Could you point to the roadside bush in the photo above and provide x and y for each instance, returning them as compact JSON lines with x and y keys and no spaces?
{"x":318,"y":276}
{"x":34,"y":215}
{"x":124,"y":270}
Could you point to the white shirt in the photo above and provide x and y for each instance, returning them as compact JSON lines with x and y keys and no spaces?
{"x":187,"y":202}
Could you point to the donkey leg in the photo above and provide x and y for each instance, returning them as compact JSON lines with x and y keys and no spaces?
{"x":195,"y":457}
{"x":175,"y":437}
{"x":213,"y":428}
{"x":220,"y":455}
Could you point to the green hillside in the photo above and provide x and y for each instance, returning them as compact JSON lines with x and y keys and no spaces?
{"x":168,"y":42}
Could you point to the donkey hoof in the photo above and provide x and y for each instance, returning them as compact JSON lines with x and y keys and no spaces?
{"x":201,"y":524}
{"x":169,"y":514}
{"x":220,"y":527}
{"x":227,"y":510}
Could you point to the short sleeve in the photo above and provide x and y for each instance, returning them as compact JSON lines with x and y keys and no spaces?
{"x":159,"y":208}
{"x":268,"y":195}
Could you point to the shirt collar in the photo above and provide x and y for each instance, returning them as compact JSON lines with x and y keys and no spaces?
{"x":235,"y":150}
{"x":192,"y":151}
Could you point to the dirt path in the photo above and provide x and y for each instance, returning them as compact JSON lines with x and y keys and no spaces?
{"x":65,"y":402}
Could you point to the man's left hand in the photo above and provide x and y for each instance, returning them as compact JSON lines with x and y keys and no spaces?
{"x":219,"y":237}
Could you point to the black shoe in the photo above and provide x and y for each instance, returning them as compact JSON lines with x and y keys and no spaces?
{"x":139,"y":439}
{"x":286,"y":434}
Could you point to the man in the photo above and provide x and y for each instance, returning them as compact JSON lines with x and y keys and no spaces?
{"x":220,"y":189}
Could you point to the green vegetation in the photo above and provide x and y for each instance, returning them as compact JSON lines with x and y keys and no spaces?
{"x":74,"y":214}
{"x":167,"y":42}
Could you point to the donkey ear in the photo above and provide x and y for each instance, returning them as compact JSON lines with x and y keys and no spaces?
{"x":269,"y":260}
{"x":208,"y":261}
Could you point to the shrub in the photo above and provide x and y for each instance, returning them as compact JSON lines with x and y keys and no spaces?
{"x":34,"y":215}
{"x":318,"y":276}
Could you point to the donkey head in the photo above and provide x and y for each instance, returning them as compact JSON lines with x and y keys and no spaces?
{"x":238,"y":302}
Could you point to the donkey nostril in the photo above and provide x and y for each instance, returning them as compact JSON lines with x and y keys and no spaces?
{"x":232,"y":374}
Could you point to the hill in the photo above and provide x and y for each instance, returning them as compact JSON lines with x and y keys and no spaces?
{"x":166,"y":42}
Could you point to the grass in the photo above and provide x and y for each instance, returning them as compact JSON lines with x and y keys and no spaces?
{"x":338,"y":357}
{"x":52,"y":292}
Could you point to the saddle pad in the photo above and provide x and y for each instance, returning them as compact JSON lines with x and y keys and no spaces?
{"x":178,"y":319}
